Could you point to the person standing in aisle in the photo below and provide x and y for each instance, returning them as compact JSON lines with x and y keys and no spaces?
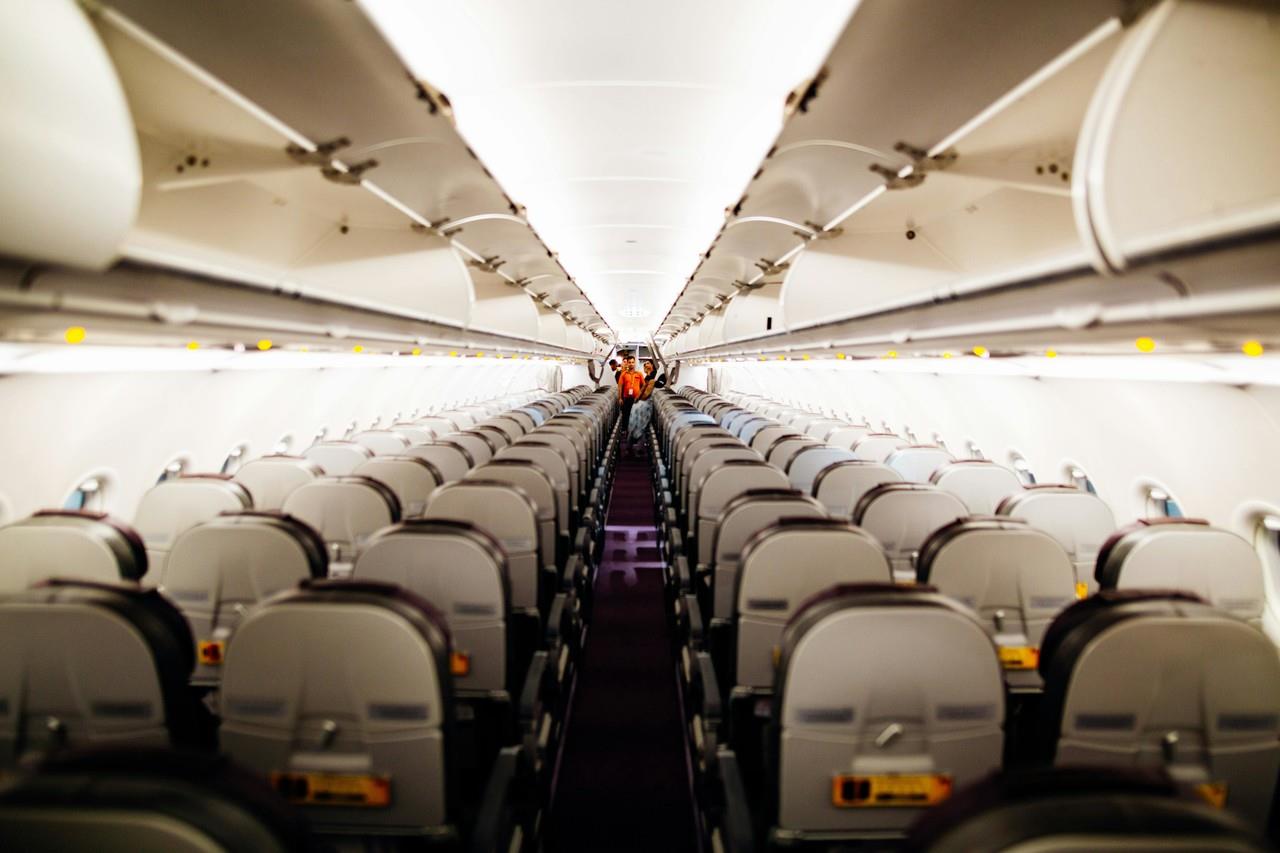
{"x":631,"y":384}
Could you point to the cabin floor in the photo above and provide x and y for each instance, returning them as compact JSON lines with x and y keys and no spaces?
{"x":624,"y":778}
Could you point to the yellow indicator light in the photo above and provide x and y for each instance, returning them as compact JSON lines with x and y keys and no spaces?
{"x":74,"y":335}
{"x":193,"y":345}
{"x":804,"y":357}
{"x":499,"y":355}
{"x":893,"y":353}
{"x":762,"y":358}
{"x":1051,"y":353}
{"x":946,"y":355}
{"x":304,"y":349}
{"x":1253,"y":349}
{"x":479,"y":355}
{"x":980,"y":351}
{"x":264,"y":345}
{"x":416,"y":351}
{"x":782,"y":358}
{"x":460,"y":663}
{"x":453,"y":352}
{"x":840,"y":356}
{"x":1145,"y":344}
{"x":357,"y":349}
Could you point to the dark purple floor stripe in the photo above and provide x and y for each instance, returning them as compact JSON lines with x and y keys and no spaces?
{"x":623,"y":783}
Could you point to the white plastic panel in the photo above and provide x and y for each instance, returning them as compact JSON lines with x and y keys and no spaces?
{"x":72,"y":171}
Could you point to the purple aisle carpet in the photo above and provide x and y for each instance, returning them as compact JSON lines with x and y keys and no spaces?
{"x":623,"y":782}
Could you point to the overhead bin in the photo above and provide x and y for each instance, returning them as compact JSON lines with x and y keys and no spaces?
{"x":927,"y":188}
{"x":286,"y":147}
{"x":73,"y":177}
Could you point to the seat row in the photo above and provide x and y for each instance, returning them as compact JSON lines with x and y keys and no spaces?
{"x":892,"y":635}
{"x":385,"y":630}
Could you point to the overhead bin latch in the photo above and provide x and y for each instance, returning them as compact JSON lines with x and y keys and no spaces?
{"x":349,"y":175}
{"x":489,"y":264}
{"x":913,"y":175}
{"x":769,"y":267}
{"x":322,"y":154}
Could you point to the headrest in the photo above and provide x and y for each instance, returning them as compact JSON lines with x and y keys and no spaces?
{"x":1181,"y":553}
{"x":381,"y":442}
{"x":1122,"y":807}
{"x":980,"y":483}
{"x":1006,"y":540}
{"x":477,"y":446}
{"x":910,"y":494}
{"x":502,"y":509}
{"x":69,"y":543}
{"x":917,"y":462}
{"x":338,"y":458}
{"x":269,"y":550}
{"x":345,"y":509}
{"x":412,"y":478}
{"x":270,"y":479}
{"x":877,"y":446}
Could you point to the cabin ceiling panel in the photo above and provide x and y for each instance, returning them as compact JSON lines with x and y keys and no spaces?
{"x":614,"y":123}
{"x":225,"y":89}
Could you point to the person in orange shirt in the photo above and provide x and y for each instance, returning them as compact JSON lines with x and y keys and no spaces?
{"x":631,"y":384}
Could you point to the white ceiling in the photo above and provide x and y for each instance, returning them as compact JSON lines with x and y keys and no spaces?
{"x":625,"y":128}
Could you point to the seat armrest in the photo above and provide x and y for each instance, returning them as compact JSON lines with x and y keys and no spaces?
{"x":708,"y":688}
{"x":555,"y":616}
{"x":680,"y":567}
{"x":695,"y":634}
{"x":497,"y":818}
{"x":736,"y":834}
{"x":531,"y":692}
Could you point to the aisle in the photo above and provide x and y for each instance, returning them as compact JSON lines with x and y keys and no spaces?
{"x":624,"y":778}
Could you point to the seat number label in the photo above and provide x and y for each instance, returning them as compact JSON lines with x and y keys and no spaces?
{"x":211,"y":652}
{"x":890,"y":790}
{"x":1019,"y":657}
{"x":333,"y":789}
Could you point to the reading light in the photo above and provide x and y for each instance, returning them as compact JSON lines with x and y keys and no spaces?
{"x":74,"y":335}
{"x":193,"y":345}
{"x":946,"y":355}
{"x":357,"y":349}
{"x":1145,"y":344}
{"x":981,"y":352}
{"x":1051,"y":353}
{"x":840,"y":356}
{"x":1253,"y":349}
{"x":416,"y":351}
{"x":264,"y":345}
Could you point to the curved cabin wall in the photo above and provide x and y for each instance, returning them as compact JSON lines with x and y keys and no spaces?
{"x":1205,"y":442}
{"x":130,"y":425}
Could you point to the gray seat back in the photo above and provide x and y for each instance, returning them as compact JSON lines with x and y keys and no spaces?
{"x":981,"y":484}
{"x":346,"y":512}
{"x":763,"y":439}
{"x":743,"y":517}
{"x":531,"y":479}
{"x":88,"y":664}
{"x":387,"y":720}
{"x":784,"y":565}
{"x":1141,"y":678}
{"x":496,"y":436}
{"x":840,"y":486}
{"x":753,"y":428}
{"x":270,"y":479}
{"x":414,"y":433}
{"x":722,"y":485}
{"x":811,"y":461}
{"x":786,"y":448}
{"x":477,"y":446}
{"x":1015,"y":577}
{"x":450,"y":460}
{"x":847,"y":436}
{"x":1186,"y":554}
{"x":382,"y":442}
{"x":887,"y":697}
{"x":220,"y":569}
{"x":916,"y":463}
{"x":413,"y":479}
{"x":338,"y":458}
{"x":1081,"y":522}
{"x":573,"y":442}
{"x":706,"y":460}
{"x":174,"y":506}
{"x":461,"y":570}
{"x":506,"y":513}
{"x":901,"y":516}
{"x":550,"y":459}
{"x":69,"y":544}
{"x":877,"y":446}
{"x":437,"y":424}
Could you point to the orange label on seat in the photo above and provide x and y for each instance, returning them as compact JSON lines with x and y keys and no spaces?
{"x":894,"y":789}
{"x":460,"y":663}
{"x":1019,"y":657}
{"x":211,"y":652}
{"x":1082,"y":591}
{"x":333,"y":789}
{"x":1213,"y":793}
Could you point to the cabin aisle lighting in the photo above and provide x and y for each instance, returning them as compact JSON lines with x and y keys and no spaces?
{"x":625,"y":130}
